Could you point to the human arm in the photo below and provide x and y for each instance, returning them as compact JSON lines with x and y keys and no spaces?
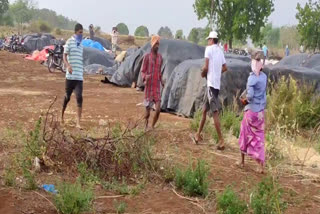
{"x":224,"y":68}
{"x":160,"y":73}
{"x":65,"y":57}
{"x":224,"y":64}
{"x":144,"y":68}
{"x":205,"y":68}
{"x":250,"y":87}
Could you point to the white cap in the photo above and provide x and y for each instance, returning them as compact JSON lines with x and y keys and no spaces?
{"x":213,"y":35}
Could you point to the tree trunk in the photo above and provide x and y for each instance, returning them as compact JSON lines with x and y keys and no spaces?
{"x":230,"y":44}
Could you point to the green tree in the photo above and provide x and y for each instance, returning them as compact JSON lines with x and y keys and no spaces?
{"x":194,"y":35}
{"x":289,"y":35}
{"x":54,"y":20}
{"x":4,"y":6}
{"x":309,"y":24}
{"x":165,"y":32}
{"x":123,"y":29}
{"x":179,"y":34}
{"x":142,"y":31}
{"x":22,"y":11}
{"x":271,"y":35}
{"x":235,"y":19}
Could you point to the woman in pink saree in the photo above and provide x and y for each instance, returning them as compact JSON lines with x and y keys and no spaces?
{"x":252,"y":136}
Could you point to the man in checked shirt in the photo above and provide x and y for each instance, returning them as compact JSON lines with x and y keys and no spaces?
{"x":152,"y":78}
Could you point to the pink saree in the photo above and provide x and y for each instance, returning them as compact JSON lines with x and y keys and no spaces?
{"x":252,"y":137}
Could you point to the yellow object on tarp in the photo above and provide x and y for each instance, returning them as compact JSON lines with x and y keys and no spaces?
{"x":121,"y":56}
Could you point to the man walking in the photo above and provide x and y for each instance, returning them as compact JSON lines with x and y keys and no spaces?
{"x":114,"y":39}
{"x":152,"y":78}
{"x":265,"y":53}
{"x":73,"y":59}
{"x":215,"y":64}
{"x":91,"y":31}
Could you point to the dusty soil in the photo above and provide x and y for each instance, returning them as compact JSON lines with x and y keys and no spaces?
{"x":26,"y":90}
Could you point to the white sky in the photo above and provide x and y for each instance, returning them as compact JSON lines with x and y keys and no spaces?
{"x":176,"y":14}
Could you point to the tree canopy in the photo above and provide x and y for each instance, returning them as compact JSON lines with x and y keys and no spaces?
{"x":179,"y":34}
{"x":309,"y":24}
{"x":123,"y":29}
{"x":194,"y":35}
{"x":53,"y":19}
{"x":165,"y":32}
{"x":271,"y":35}
{"x":4,"y":6}
{"x":235,"y":19}
{"x":142,"y":31}
{"x":22,"y":11}
{"x":199,"y":35}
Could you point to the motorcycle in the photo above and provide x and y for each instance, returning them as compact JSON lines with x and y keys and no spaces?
{"x":1,"y":44}
{"x":55,"y":58}
{"x":7,"y":44}
{"x":17,"y":45}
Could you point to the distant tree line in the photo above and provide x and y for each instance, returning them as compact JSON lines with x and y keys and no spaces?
{"x":25,"y":13}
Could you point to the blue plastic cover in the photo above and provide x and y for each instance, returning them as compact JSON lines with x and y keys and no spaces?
{"x":92,"y":44}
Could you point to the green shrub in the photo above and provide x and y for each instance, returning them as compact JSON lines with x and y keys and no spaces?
{"x":40,"y":27}
{"x":267,"y":198}
{"x":9,"y":177}
{"x":273,"y":152}
{"x":194,"y":182}
{"x":229,"y":203}
{"x":30,"y":178}
{"x":45,"y":27}
{"x":86,"y":176}
{"x":123,"y":188}
{"x":291,"y":107}
{"x":120,"y":207}
{"x":73,"y":199}
{"x":231,"y":121}
{"x":35,"y":146}
{"x":58,"y":31}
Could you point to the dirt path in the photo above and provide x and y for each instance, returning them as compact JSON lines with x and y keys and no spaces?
{"x":27,"y":88}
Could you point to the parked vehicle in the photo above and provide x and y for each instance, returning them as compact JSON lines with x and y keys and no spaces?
{"x":17,"y":45}
{"x":1,"y":44}
{"x":55,"y":58}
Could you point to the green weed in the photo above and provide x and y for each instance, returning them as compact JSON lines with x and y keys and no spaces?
{"x":73,"y":199}
{"x":229,"y":203}
{"x":194,"y":182}
{"x":231,"y":121}
{"x":9,"y":177}
{"x":291,"y":107}
{"x":87,"y":176}
{"x":123,"y":188}
{"x":120,"y":207}
{"x":274,"y":154}
{"x":267,"y":198}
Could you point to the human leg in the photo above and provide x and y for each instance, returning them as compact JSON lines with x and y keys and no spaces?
{"x":78,"y":92}
{"x":156,"y":115}
{"x":69,"y":86}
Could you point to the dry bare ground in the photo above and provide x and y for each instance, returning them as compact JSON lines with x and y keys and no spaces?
{"x":26,"y":91}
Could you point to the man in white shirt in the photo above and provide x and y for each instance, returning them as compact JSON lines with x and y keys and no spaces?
{"x":114,"y":39}
{"x":215,"y":65}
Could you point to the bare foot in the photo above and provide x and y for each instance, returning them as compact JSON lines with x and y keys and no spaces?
{"x":198,"y":137}
{"x":78,"y":126}
{"x":259,"y":170}
{"x":221,"y":145}
{"x":240,"y":164}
